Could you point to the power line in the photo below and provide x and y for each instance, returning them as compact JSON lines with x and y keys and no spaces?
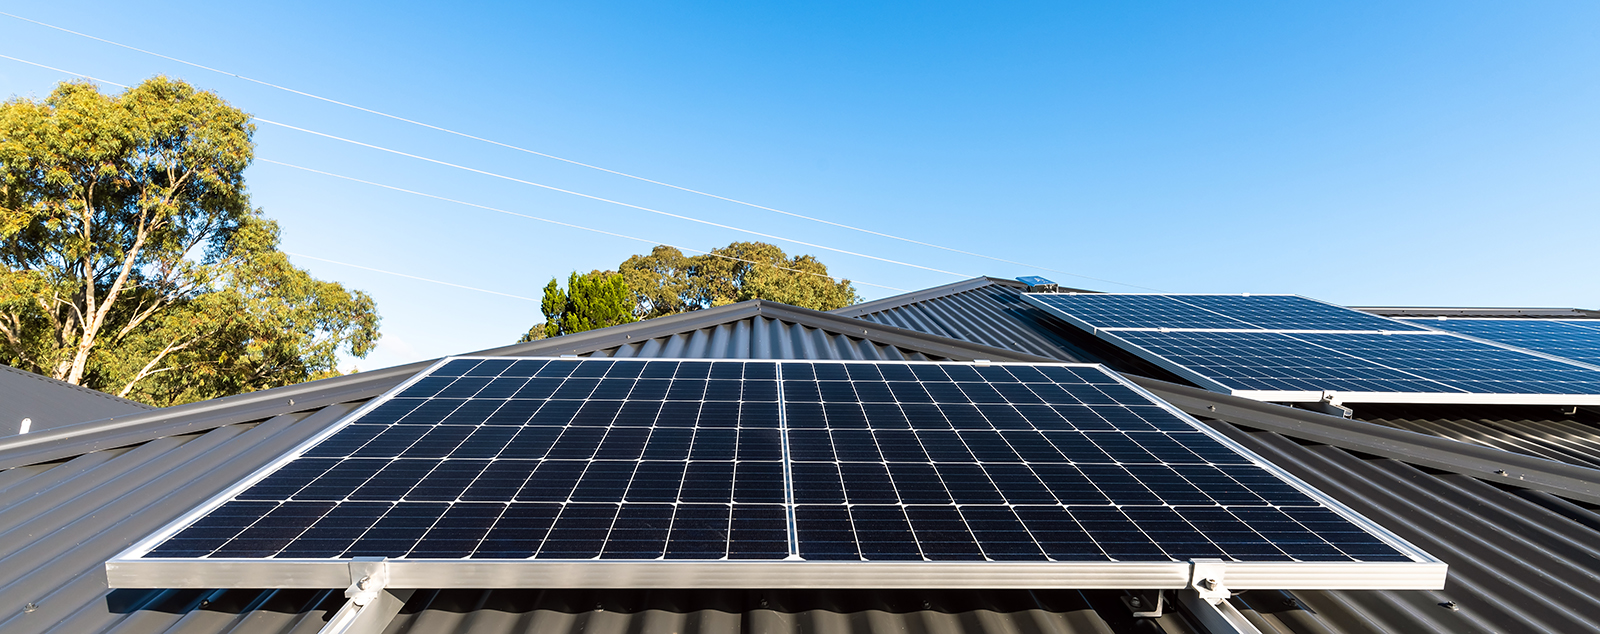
{"x":563,"y":159}
{"x":719,"y":255}
{"x":424,"y":279}
{"x":568,"y":224}
{"x":608,"y":200}
{"x":63,"y":71}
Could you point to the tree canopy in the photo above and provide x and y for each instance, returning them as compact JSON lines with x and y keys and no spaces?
{"x":597,"y":299}
{"x":666,"y":282}
{"x":131,"y":259}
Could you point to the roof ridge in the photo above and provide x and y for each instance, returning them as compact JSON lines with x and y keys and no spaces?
{"x":903,"y":299}
{"x":119,"y":431}
{"x":79,"y":388}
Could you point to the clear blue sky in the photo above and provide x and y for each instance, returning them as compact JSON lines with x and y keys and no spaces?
{"x":1443,"y":153}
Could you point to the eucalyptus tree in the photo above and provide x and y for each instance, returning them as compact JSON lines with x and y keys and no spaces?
{"x":132,"y":261}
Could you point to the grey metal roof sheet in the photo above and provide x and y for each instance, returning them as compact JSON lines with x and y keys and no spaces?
{"x":1520,"y":558}
{"x":1570,"y":436}
{"x":49,"y":403}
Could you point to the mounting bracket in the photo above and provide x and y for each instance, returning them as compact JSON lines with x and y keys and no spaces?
{"x":1331,"y":405}
{"x":1145,"y":604}
{"x":372,"y":604}
{"x":1206,"y":599}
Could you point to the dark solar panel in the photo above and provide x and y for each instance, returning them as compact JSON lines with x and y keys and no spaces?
{"x":730,"y":460}
{"x":1292,"y":312}
{"x":1213,"y":312}
{"x":1269,"y":361}
{"x":1292,"y":344}
{"x":1465,"y":364}
{"x":1571,"y":339}
{"x":1110,"y":310}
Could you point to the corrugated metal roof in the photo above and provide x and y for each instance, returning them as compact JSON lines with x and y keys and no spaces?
{"x":49,"y":403}
{"x":1520,"y":558}
{"x":1561,"y":434}
{"x":990,"y":311}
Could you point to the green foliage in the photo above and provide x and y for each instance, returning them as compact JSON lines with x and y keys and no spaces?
{"x":598,"y":299}
{"x":132,"y":262}
{"x":666,"y":282}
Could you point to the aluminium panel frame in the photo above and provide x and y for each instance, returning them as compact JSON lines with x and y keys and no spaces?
{"x":131,"y":569}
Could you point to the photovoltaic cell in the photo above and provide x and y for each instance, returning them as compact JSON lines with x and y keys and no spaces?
{"x":746,"y":460}
{"x":1578,"y":340}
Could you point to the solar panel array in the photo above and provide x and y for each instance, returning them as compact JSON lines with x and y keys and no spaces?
{"x":1138,"y":311}
{"x":731,"y":460}
{"x":1574,"y":339}
{"x":1282,"y":343}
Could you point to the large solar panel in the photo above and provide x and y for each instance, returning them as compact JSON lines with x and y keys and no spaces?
{"x":1574,"y":339}
{"x":1300,"y":350}
{"x":1119,"y":311}
{"x":1022,"y":473}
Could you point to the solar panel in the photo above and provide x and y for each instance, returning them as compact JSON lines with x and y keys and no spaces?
{"x":1276,"y":362}
{"x":1114,"y":311}
{"x":680,"y":465}
{"x":1299,"y":350}
{"x":1578,"y":340}
{"x":1117,"y":311}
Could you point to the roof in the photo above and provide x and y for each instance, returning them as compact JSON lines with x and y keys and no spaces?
{"x":1519,"y":531}
{"x":48,"y":403}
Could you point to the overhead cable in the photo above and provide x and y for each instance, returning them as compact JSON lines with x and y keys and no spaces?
{"x":563,"y":159}
{"x":572,"y":226}
{"x":460,"y":202}
{"x":609,"y":200}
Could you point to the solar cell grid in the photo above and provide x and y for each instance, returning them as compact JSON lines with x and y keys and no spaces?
{"x":669,"y":460}
{"x":1111,"y":310}
{"x":1571,"y":339}
{"x":1469,"y":365}
{"x":1292,"y":312}
{"x":1214,"y":312}
{"x":1268,"y":361}
{"x":1305,"y":349}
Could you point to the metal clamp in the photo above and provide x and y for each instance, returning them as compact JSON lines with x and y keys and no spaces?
{"x":1205,"y":579}
{"x":1206,"y":599}
{"x":368,"y":577}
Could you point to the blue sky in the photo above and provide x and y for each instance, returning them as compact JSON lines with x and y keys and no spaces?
{"x":1419,"y":153}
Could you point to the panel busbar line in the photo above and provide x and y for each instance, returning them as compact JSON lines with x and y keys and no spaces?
{"x":1295,"y":349}
{"x":565,"y":461}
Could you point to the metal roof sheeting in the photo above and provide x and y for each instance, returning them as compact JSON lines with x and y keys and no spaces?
{"x":49,"y":403}
{"x":1571,"y":436}
{"x":1520,"y":559}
